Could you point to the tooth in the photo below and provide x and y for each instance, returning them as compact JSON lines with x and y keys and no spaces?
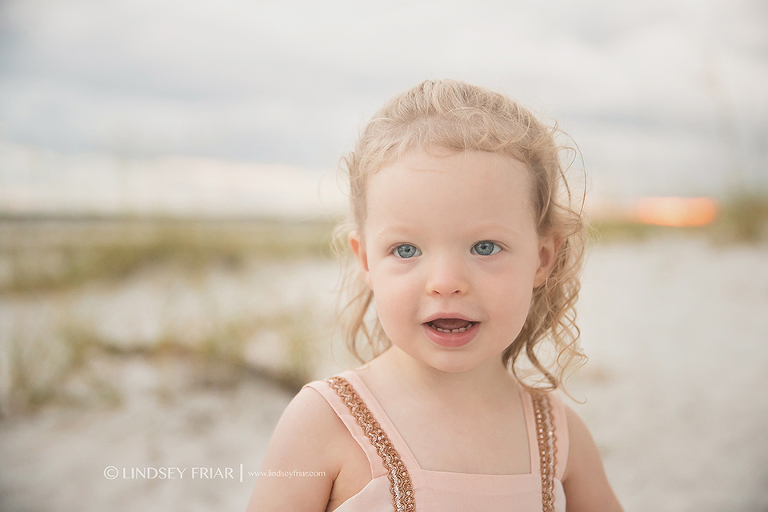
{"x":462,"y":329}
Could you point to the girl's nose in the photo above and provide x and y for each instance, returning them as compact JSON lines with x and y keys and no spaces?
{"x":447,"y":277}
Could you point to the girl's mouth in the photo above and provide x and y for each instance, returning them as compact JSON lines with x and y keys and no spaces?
{"x":452,"y":325}
{"x":451,"y":332}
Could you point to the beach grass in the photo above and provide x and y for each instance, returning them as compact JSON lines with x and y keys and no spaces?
{"x":744,"y":217}
{"x":48,"y":254}
{"x":44,"y":260}
{"x":56,"y":367}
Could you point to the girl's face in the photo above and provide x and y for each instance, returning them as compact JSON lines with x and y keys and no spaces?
{"x":451,"y":245}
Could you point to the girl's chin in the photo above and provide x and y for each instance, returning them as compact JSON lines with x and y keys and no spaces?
{"x":443,"y":362}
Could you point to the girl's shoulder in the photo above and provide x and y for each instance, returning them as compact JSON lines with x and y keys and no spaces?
{"x":308,"y":438}
{"x":308,"y":413}
{"x":584,"y":480}
{"x":312,"y":431}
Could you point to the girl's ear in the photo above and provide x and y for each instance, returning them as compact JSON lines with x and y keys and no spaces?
{"x":358,"y":247}
{"x":549,"y":247}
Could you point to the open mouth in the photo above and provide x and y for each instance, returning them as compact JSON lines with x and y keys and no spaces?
{"x":451,"y":325}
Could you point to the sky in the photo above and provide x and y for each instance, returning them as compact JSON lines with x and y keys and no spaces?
{"x":663,"y":97}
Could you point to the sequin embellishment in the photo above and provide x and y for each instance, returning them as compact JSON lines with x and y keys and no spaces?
{"x":545,"y":434}
{"x":399,"y":480}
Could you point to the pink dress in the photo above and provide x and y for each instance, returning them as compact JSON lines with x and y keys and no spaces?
{"x":399,"y":484}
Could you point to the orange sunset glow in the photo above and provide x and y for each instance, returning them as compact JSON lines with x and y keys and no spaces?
{"x":676,"y":211}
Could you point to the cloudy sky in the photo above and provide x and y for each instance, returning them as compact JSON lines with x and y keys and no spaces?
{"x":662,"y":96}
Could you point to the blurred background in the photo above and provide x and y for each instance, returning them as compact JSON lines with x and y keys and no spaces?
{"x":168,"y":187}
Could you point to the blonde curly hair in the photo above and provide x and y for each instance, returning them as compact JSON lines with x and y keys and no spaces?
{"x":465,"y":117}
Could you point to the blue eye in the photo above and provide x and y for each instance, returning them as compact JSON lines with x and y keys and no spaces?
{"x":407,"y":251}
{"x":485,"y":248}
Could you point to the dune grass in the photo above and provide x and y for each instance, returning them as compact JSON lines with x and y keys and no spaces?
{"x":55,"y":367}
{"x":744,"y":217}
{"x":39,"y":255}
{"x":42,"y":259}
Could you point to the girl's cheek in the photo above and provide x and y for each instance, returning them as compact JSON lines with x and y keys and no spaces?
{"x":388,"y":283}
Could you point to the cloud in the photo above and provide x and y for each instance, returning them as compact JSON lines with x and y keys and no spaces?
{"x":291,"y":82}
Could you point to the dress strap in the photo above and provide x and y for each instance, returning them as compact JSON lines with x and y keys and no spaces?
{"x":547,"y":446}
{"x":559,"y":419}
{"x":400,"y":484}
{"x":551,"y":442}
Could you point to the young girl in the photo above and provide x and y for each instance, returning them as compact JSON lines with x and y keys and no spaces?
{"x":468,"y":251}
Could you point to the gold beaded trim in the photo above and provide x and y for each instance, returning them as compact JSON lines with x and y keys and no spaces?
{"x":545,"y":434}
{"x":399,"y":480}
